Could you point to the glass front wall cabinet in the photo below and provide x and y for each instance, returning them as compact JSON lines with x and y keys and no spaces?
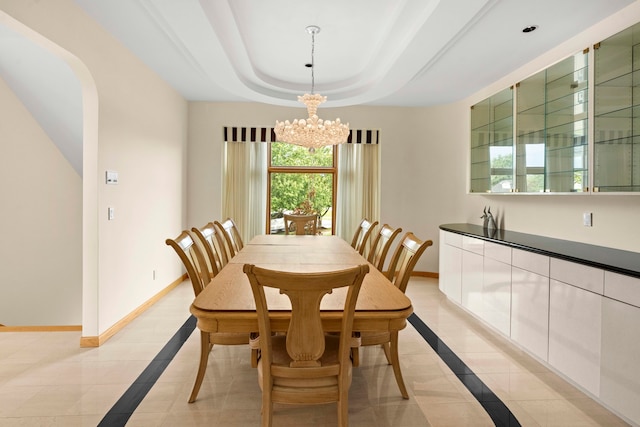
{"x":492,"y":144}
{"x":551,"y":128}
{"x":617,"y":112}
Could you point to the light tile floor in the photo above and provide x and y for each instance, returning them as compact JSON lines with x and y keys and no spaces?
{"x":47,"y":380}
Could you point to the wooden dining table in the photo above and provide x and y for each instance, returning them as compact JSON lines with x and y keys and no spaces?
{"x":226,"y":304}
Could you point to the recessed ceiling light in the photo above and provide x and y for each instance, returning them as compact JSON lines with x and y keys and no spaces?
{"x":529,"y":28}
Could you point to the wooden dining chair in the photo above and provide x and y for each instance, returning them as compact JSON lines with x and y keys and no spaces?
{"x":401,"y":266}
{"x":381,"y":244}
{"x":307,"y":365}
{"x":361,"y":236}
{"x":231,"y":235}
{"x":302,"y":224}
{"x":199,"y":274}
{"x":213,"y":243}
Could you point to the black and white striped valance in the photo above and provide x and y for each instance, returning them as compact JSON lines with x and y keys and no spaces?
{"x":235,"y":134}
{"x":363,"y":136}
{"x":243,"y":134}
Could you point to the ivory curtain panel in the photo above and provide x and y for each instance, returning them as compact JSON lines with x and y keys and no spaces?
{"x":358,"y":186}
{"x":245,"y":186}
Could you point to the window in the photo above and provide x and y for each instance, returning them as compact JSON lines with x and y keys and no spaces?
{"x":301,"y":182}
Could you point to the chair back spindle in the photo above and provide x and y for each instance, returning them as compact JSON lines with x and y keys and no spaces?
{"x":192,"y":259}
{"x":361,"y":236}
{"x":381,"y":244}
{"x":231,"y":235}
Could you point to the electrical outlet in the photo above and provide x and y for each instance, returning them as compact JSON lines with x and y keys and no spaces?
{"x":587,"y":219}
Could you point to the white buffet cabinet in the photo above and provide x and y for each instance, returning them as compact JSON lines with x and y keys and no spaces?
{"x":581,"y":321}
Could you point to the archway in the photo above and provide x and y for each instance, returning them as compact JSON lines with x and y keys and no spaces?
{"x":90,"y":176}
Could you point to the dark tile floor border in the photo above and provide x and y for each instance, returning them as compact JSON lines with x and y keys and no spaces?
{"x":124,"y":408}
{"x":120,"y":413}
{"x":497,"y":410}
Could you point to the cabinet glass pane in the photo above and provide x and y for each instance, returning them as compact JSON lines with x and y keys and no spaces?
{"x":566,"y":125}
{"x":617,"y":112}
{"x":492,"y":144}
{"x":552,"y":123}
{"x":530,"y":126}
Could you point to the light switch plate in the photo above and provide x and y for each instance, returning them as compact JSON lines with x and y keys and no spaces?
{"x":111,"y":177}
{"x":587,"y":219}
{"x":110,"y":213}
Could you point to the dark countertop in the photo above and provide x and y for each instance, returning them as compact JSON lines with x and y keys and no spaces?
{"x":615,"y":260}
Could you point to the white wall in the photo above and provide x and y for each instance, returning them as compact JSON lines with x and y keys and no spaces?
{"x":142,"y":134}
{"x":41,"y":199}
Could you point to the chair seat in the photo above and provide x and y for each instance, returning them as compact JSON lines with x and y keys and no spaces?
{"x":309,"y":389}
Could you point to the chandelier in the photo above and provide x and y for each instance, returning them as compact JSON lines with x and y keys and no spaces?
{"x":312,"y":132}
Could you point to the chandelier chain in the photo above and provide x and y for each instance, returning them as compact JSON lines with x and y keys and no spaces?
{"x":313,"y":65}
